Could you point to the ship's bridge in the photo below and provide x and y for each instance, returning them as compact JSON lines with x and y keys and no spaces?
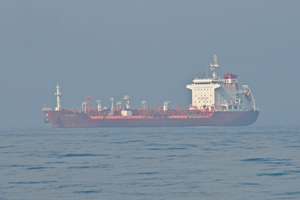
{"x":202,"y":81}
{"x":215,"y":93}
{"x":203,"y":92}
{"x":219,"y":94}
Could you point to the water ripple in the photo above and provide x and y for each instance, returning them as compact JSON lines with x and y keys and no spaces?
{"x":151,"y":163}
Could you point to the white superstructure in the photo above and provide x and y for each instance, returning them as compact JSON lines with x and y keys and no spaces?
{"x":217,"y":94}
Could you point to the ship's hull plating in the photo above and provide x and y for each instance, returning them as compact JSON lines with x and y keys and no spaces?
{"x":62,"y":119}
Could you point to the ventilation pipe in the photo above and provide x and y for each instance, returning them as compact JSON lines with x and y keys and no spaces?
{"x":144,"y":105}
{"x":99,"y":105}
{"x":84,"y":105}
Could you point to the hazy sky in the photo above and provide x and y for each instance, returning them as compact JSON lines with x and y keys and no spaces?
{"x":148,"y":50}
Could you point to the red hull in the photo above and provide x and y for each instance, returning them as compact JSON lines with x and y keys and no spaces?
{"x":65,"y":119}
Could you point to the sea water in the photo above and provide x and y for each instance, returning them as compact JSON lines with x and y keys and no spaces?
{"x":150,"y":163}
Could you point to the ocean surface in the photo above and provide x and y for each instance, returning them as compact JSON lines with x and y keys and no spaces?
{"x":150,"y":163}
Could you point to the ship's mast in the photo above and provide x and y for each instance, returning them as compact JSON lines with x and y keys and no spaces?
{"x":214,"y":66}
{"x":58,"y":95}
{"x":88,"y":97}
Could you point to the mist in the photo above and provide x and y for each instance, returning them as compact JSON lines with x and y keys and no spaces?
{"x":149,"y":50}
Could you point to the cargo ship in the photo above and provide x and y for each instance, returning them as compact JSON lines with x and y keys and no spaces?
{"x":215,"y":102}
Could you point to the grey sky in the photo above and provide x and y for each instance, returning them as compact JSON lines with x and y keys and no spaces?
{"x":148,"y":50}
